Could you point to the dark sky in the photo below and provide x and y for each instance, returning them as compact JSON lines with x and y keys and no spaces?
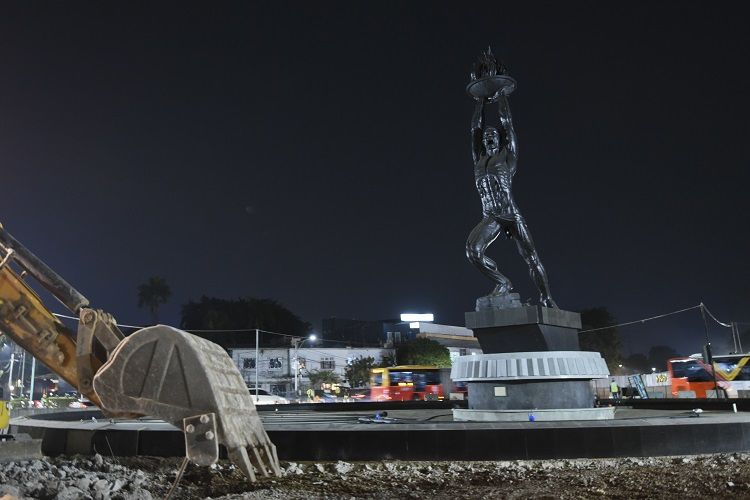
{"x":318,"y":153}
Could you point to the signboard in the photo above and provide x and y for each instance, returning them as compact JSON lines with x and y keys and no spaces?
{"x":637,"y":382}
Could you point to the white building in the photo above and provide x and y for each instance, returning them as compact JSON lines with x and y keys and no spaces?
{"x":458,"y":340}
{"x":274,"y":367}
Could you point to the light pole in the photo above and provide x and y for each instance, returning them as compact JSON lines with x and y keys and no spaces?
{"x":297,"y":343}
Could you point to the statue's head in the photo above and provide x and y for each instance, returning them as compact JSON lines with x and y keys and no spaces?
{"x":491,"y":140}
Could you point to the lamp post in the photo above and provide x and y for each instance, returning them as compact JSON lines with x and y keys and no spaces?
{"x":297,"y":342}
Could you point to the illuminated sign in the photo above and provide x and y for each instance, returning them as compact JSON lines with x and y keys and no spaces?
{"x":408,"y":317}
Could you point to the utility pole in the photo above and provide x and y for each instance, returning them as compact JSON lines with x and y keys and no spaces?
{"x":33,"y":375}
{"x":297,"y":342}
{"x":11,"y":383}
{"x":257,"y":364}
{"x":710,"y":359}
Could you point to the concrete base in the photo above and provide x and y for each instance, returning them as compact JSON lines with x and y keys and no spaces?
{"x":21,"y":448}
{"x":549,"y":415}
{"x":315,"y":432}
{"x":522,"y":394}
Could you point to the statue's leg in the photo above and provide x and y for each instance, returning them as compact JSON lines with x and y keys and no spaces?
{"x":479,"y":239}
{"x":521,"y":234}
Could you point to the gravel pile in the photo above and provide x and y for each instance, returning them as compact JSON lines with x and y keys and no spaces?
{"x":102,"y":478}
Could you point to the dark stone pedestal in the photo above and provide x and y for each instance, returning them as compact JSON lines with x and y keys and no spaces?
{"x":525,"y":394}
{"x":532,"y":363}
{"x":524,"y":329}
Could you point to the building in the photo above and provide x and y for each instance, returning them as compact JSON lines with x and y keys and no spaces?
{"x":391,"y":332}
{"x":274,"y":367}
{"x":458,"y":340}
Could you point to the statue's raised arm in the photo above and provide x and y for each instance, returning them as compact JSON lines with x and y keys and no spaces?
{"x":477,"y":130}
{"x":490,"y":83}
{"x":506,"y":121}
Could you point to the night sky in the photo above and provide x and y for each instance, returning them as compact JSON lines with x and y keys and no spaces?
{"x":318,"y":153}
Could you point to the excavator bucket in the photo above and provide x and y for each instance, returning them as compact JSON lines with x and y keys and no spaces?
{"x":192,"y":383}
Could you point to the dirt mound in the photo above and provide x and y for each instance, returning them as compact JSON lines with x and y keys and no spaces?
{"x":143,"y":478}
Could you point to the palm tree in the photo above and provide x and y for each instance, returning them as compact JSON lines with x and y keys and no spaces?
{"x":152,"y":294}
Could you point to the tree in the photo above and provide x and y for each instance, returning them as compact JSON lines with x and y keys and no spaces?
{"x":658,"y":356}
{"x":319,"y":377}
{"x":358,"y":371}
{"x":152,"y":294}
{"x":607,"y":342}
{"x":422,"y":351}
{"x":637,"y":363}
{"x":387,"y":360}
{"x":243,"y":314}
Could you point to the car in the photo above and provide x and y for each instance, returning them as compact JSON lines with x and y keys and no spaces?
{"x":266,"y":398}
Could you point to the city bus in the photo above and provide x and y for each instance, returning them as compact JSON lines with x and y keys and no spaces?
{"x":408,"y":383}
{"x":693,"y":374}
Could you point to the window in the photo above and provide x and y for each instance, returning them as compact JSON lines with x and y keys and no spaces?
{"x":327,"y":363}
{"x":301,"y":364}
{"x":462,"y":351}
{"x":278,"y":389}
{"x":248,"y":363}
{"x":274,"y":364}
{"x":693,"y":370}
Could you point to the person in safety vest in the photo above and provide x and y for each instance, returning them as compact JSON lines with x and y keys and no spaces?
{"x":614,"y":389}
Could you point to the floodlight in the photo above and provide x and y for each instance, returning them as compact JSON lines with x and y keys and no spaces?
{"x":408,"y":317}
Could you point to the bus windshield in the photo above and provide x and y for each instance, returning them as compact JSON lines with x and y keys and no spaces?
{"x":691,"y":369}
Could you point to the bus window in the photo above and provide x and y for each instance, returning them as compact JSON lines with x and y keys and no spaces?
{"x":401,"y":378}
{"x":733,"y":368}
{"x":691,"y":369}
{"x":377,"y":379}
{"x":425,"y":378}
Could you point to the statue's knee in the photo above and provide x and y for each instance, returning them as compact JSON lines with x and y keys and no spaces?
{"x":474,"y":253}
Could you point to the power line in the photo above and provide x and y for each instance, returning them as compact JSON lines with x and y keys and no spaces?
{"x":233,"y":330}
{"x":641,"y":320}
{"x":248,"y":330}
{"x":725,"y":325}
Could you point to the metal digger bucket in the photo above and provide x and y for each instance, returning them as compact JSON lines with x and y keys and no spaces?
{"x":192,"y":383}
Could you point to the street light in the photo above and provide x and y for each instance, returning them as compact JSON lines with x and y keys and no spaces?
{"x":297,"y":342}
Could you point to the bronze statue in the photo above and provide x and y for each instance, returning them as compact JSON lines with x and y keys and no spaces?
{"x":495,"y":154}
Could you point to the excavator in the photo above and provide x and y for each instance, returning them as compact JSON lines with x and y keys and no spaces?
{"x":157,"y":371}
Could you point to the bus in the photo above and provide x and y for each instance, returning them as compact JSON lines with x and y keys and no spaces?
{"x":408,"y":383}
{"x":693,"y":374}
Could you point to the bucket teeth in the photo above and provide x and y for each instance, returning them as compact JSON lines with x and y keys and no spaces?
{"x":239,"y":457}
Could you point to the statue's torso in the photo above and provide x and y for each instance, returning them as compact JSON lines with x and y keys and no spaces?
{"x":493,"y":176}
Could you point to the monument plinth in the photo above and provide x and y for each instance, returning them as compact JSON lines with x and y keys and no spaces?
{"x":527,"y":328}
{"x":532,"y":367}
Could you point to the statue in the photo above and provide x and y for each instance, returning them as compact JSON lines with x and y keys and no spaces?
{"x":495,"y":155}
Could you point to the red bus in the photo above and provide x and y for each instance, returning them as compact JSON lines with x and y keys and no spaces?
{"x":406,"y":383}
{"x":693,"y":374}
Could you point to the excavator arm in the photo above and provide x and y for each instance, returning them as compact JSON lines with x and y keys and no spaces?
{"x":158,"y":371}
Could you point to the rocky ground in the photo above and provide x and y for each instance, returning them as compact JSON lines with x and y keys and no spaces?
{"x":147,"y":477}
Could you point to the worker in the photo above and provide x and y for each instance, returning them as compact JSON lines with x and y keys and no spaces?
{"x":4,"y":412}
{"x":614,"y":389}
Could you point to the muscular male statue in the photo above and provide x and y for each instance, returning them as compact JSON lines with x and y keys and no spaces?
{"x":494,"y":166}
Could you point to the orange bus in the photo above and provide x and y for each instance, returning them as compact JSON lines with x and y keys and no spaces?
{"x":407,"y":383}
{"x":693,"y":374}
